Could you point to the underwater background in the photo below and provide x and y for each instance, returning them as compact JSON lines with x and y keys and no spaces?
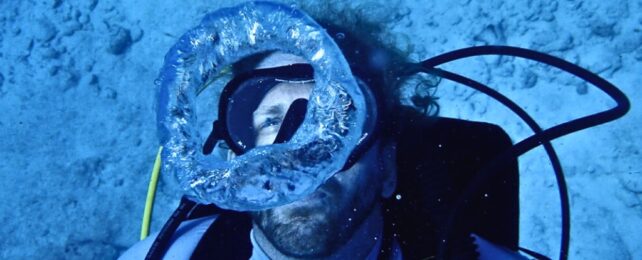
{"x":78,"y":130}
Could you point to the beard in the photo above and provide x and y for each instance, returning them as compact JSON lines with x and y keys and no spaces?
{"x":303,"y":235}
{"x":317,"y":225}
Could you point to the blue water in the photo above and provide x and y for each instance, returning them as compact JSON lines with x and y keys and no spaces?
{"x":78,"y":135}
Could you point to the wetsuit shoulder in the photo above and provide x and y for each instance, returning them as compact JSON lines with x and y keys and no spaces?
{"x":183,"y":242}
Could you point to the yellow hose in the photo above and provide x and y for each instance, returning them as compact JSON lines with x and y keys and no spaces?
{"x":151,"y":194}
{"x":153,"y":182}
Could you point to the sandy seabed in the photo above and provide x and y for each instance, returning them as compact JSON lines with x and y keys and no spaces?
{"x":77,"y":130}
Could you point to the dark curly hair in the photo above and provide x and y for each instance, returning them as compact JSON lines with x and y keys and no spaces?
{"x":362,"y":31}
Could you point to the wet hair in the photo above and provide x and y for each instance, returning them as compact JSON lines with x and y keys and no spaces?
{"x":373,"y":53}
{"x":364,"y":33}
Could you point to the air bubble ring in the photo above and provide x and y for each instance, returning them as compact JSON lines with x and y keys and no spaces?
{"x":258,"y":179}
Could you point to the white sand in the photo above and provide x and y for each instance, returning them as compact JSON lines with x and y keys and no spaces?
{"x":77,"y":131}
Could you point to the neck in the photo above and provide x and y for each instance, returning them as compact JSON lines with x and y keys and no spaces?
{"x":359,"y":246}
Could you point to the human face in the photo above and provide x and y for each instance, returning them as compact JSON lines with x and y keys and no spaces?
{"x":269,"y":115}
{"x":319,"y":224}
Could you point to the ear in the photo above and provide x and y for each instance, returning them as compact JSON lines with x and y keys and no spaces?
{"x":388,"y":168}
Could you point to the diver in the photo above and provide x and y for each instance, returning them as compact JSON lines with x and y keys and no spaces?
{"x":319,"y":161}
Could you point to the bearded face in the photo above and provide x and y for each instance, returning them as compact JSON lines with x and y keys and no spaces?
{"x":317,"y":225}
{"x":320,"y":223}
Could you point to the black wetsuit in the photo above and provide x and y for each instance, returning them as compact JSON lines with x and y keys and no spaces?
{"x":436,"y":159}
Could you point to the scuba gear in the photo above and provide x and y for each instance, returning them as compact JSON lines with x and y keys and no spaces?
{"x":218,"y":178}
{"x":258,"y":179}
{"x":151,"y":195}
{"x":242,"y":95}
{"x":239,"y":99}
{"x":541,"y":137}
{"x":430,"y":152}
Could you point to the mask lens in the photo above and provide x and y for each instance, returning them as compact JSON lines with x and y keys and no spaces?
{"x":239,"y":112}
{"x":242,"y":96}
{"x":292,"y":120}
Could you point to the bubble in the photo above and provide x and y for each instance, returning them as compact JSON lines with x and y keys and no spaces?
{"x":340,"y":36}
{"x":212,"y":38}
{"x":311,"y":156}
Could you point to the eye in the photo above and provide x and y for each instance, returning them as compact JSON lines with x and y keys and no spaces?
{"x":269,"y":122}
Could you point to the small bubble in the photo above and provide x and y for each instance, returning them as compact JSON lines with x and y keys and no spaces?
{"x":267,"y":185}
{"x":212,"y":37}
{"x":376,"y":238}
{"x":398,"y":197}
{"x":349,"y":219}
{"x":340,"y":36}
{"x":354,"y":209}
{"x":485,"y":195}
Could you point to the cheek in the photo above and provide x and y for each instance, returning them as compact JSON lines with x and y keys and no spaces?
{"x":265,"y":138}
{"x":361,"y":180}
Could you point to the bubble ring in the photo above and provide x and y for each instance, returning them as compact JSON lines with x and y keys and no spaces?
{"x":266,"y":176}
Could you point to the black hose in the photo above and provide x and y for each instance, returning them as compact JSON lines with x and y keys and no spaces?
{"x":555,"y":162}
{"x":540,"y":137}
{"x":158,"y":249}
